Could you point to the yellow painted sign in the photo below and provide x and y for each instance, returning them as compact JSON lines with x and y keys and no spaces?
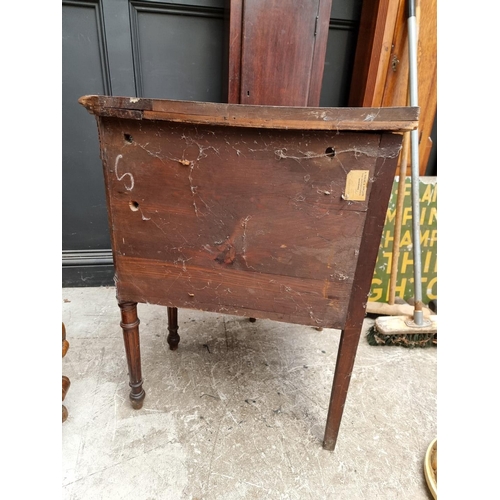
{"x":428,"y":242}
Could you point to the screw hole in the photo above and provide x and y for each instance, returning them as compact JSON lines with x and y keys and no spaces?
{"x":134,"y":206}
{"x":128,"y":138}
{"x":330,"y":152}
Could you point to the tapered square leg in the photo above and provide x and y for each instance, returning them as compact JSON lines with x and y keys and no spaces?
{"x":343,"y":369}
{"x":130,"y":326}
{"x":173,"y":337}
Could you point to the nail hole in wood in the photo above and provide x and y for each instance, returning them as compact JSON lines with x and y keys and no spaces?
{"x":128,"y":138}
{"x":134,"y":206}
{"x":330,"y":151}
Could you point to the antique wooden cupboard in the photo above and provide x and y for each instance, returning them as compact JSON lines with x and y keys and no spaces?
{"x":205,"y":200}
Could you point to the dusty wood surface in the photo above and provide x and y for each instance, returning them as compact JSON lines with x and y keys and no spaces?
{"x":396,"y":119}
{"x":245,"y":221}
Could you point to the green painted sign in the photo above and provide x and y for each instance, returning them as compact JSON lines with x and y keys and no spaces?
{"x":428,"y":242}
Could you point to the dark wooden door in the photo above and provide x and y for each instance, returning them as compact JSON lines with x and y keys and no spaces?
{"x":279,"y":56}
{"x":155,"y":49}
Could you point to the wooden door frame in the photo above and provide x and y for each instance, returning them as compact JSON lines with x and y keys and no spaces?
{"x":380,"y":73}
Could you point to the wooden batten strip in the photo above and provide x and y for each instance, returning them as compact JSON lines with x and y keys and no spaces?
{"x":396,"y":119}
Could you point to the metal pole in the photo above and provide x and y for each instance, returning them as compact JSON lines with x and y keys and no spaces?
{"x":418,"y":316}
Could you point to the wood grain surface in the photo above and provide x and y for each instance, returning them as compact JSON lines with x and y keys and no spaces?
{"x":397,"y":119}
{"x":237,"y":220}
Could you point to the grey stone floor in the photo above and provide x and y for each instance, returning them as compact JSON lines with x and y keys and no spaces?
{"x":238,"y":412}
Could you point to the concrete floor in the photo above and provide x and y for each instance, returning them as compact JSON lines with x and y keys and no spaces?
{"x":238,"y":412}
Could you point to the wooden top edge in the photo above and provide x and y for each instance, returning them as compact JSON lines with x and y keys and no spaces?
{"x":396,"y":119}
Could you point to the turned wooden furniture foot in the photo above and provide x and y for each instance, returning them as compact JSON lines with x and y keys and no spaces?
{"x":173,"y":337}
{"x":345,"y":361}
{"x":65,"y":387}
{"x":65,"y":413}
{"x":65,"y":380}
{"x":130,"y":326}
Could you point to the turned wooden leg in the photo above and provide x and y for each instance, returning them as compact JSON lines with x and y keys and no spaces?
{"x":345,"y":361}
{"x":130,"y":326}
{"x":65,"y":380}
{"x":65,"y":387}
{"x":173,"y":337}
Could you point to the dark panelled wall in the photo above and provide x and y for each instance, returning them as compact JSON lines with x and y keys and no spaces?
{"x":148,"y":49}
